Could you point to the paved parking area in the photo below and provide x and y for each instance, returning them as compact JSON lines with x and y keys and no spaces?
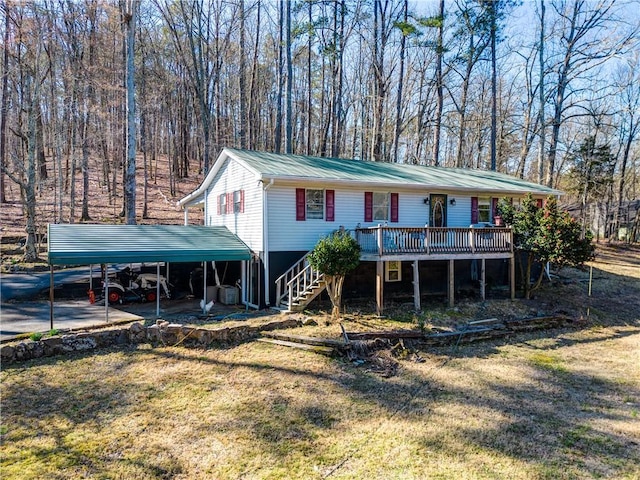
{"x":18,"y":318}
{"x":28,"y":317}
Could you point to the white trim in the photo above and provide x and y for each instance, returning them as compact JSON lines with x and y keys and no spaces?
{"x":265,"y":241}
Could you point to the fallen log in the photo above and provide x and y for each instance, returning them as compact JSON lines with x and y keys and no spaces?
{"x":287,"y":337}
{"x":472,"y":331}
{"x":301,"y":346}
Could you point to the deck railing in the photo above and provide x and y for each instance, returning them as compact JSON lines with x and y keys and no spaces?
{"x":383,"y":240}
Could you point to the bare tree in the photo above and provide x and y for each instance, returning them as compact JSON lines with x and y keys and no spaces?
{"x":5,"y":102}
{"x":628,"y":80}
{"x":129,"y":13}
{"x":588,"y":38}
{"x":439,"y":81}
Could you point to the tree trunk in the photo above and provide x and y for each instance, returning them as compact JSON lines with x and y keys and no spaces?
{"x":494,"y":82}
{"x":439,"y":88}
{"x":289,"y":114}
{"x":3,"y":107}
{"x":130,"y":178}
{"x":541,"y":91}
{"x":242,"y":79}
{"x":28,"y":186}
{"x":309,"y":79}
{"x":278,"y":126}
{"x":398,"y":126}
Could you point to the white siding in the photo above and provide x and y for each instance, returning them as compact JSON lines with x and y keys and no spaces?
{"x":286,"y":233}
{"x":247,"y":225}
{"x":459,"y":215}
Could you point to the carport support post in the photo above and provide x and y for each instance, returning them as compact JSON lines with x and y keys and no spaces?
{"x":51,"y":297}
{"x":106,"y":293}
{"x":204,"y":293}
{"x":158,"y":290}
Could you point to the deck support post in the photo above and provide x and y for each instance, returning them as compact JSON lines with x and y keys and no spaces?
{"x":512,"y":276}
{"x":379,"y":286}
{"x":451,"y":283}
{"x":416,"y":286}
{"x":483,"y":281}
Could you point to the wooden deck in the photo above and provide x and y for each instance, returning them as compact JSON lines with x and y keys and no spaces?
{"x":430,"y":243}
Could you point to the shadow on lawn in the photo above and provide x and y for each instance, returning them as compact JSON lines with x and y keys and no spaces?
{"x":550,"y":421}
{"x":564,"y":422}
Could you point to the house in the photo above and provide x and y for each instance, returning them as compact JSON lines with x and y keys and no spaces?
{"x":410,"y":220}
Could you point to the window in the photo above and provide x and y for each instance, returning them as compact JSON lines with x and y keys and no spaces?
{"x":393,"y":271}
{"x":222,"y":204}
{"x":238,"y":201}
{"x":380,"y":206}
{"x":484,"y":210}
{"x":315,"y":204}
{"x":231,"y":202}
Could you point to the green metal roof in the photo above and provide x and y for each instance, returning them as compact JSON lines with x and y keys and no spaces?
{"x":300,"y":169}
{"x":270,"y":165}
{"x":84,"y":244}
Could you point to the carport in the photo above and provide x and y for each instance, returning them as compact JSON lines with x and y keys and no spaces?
{"x":91,"y":244}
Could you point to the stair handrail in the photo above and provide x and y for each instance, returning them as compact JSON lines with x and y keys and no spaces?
{"x":296,"y":280}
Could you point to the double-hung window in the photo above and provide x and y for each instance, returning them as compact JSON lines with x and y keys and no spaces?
{"x":315,"y":204}
{"x":380,"y":207}
{"x":484,"y":209}
{"x":231,"y":202}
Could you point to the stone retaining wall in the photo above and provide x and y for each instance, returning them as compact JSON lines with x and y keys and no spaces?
{"x":162,"y":333}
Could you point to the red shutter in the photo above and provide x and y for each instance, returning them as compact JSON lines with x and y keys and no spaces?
{"x":494,"y":207}
{"x":539,"y":203}
{"x":219,"y":201}
{"x":330,"y":205}
{"x":474,"y":210}
{"x":241,"y":201}
{"x":301,"y":204}
{"x":368,"y":206}
{"x":394,"y":207}
{"x":230,"y":202}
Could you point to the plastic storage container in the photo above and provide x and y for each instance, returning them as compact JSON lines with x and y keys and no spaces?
{"x":228,"y":295}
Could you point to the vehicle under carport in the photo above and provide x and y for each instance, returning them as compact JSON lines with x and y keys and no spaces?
{"x":91,"y":244}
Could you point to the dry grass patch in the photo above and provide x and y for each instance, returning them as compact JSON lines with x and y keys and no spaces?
{"x":257,"y":411}
{"x":562,"y":404}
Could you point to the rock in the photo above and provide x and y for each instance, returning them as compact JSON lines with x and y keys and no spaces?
{"x":153,"y":333}
{"x":52,"y":346}
{"x":309,"y":322}
{"x":7,"y":354}
{"x":137,"y":332}
{"x":80,"y":342}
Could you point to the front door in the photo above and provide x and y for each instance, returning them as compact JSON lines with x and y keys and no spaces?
{"x":437,"y":210}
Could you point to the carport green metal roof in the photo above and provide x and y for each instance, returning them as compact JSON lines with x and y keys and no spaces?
{"x":84,"y":244}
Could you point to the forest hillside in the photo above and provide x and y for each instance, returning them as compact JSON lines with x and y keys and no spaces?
{"x":98,"y":96}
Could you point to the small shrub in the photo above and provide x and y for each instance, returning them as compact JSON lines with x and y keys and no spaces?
{"x":36,"y":336}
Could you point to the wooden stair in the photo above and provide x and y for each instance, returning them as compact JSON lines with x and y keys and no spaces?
{"x":298,"y":286}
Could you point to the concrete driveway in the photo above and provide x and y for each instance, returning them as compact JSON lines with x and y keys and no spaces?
{"x":28,"y":317}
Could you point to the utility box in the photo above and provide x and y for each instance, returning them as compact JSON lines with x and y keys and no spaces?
{"x":228,"y":295}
